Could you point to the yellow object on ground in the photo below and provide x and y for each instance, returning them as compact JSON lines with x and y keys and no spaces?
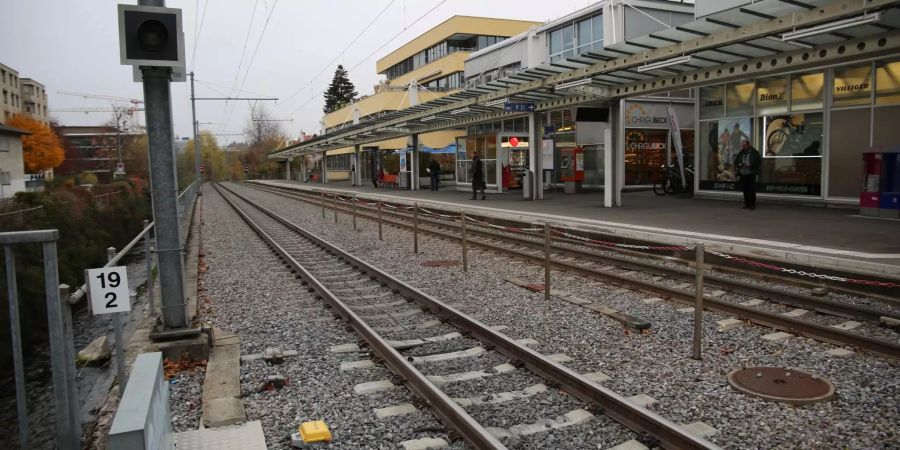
{"x":316,"y":431}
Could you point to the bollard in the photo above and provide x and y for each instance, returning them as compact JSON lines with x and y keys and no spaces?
{"x":120,"y":346}
{"x":322,"y":196}
{"x":148,"y":256}
{"x":698,"y":297}
{"x":465,"y":251}
{"x":416,"y":228}
{"x":380,"y":238}
{"x":547,"y":261}
{"x":353,"y":211}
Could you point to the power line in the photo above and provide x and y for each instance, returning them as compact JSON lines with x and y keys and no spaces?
{"x":252,"y":59}
{"x":210,"y":85}
{"x":327,"y":66}
{"x":237,"y":73}
{"x":374,"y":52}
{"x":197,"y":32}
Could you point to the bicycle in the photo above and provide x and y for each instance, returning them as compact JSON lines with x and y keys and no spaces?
{"x":670,"y":182}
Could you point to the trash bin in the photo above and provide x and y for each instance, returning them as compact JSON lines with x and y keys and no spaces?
{"x":889,"y":195}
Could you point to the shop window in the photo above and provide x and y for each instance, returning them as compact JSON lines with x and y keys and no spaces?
{"x":771,"y":95}
{"x":645,"y":154}
{"x":885,"y":130}
{"x":852,"y":85}
{"x":712,"y":102}
{"x":739,"y":99}
{"x":792,"y":154}
{"x":720,"y":142}
{"x":806,"y":91}
{"x":849,"y":139}
{"x":887,"y":83}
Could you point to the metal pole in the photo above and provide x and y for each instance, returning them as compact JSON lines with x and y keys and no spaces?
{"x":74,"y":402}
{"x":16,"y":334}
{"x":465,"y":251}
{"x":353,"y":210}
{"x":120,"y":347}
{"x":322,"y":196}
{"x":698,"y":297}
{"x":335,"y":207}
{"x":163,"y":181}
{"x":197,"y":144}
{"x":380,"y":238}
{"x":68,"y":426}
{"x":416,"y":228}
{"x":148,"y":256}
{"x":547,"y":262}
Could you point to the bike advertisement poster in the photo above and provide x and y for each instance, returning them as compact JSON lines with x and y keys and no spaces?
{"x":791,"y":137}
{"x":729,"y":136}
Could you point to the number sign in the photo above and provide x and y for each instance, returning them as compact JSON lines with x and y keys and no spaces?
{"x":108,"y":288}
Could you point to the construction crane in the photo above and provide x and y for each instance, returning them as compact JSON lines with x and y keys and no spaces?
{"x":127,"y":110}
{"x":111,"y":98}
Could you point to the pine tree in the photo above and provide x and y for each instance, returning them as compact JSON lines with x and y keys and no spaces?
{"x":341,"y":91}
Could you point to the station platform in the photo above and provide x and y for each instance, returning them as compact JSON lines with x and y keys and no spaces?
{"x":838,"y":239}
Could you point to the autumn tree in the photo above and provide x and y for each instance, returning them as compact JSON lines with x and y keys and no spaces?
{"x":264,"y":134}
{"x":41,"y":149}
{"x":340,"y":92}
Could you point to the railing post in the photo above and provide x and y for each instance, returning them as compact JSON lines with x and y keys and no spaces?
{"x":380,"y":238}
{"x":415,"y":228}
{"x":547,"y":261}
{"x":68,"y":425}
{"x":353,"y":210}
{"x":148,"y":256}
{"x":16,"y":335}
{"x":120,"y":345}
{"x":698,"y":297}
{"x":335,"y":205}
{"x":322,"y":196}
{"x":465,"y":251}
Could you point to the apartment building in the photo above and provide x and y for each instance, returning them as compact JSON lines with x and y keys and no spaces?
{"x":9,"y":87}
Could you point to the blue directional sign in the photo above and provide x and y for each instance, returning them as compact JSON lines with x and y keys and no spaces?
{"x":518,"y":107}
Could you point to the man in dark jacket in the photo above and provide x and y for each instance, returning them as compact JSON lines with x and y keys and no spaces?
{"x":477,"y":177}
{"x":434,"y":168}
{"x":747,"y":164}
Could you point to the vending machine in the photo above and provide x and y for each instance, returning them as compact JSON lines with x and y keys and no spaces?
{"x":516,"y":164}
{"x":571,"y":165}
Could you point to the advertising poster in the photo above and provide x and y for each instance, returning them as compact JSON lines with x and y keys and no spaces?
{"x":730,"y":133}
{"x":547,"y":154}
{"x":791,"y":136}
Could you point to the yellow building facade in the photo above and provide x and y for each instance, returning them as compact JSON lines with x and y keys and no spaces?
{"x":433,"y":62}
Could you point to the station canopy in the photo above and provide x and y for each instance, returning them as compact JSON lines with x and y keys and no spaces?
{"x":757,"y":38}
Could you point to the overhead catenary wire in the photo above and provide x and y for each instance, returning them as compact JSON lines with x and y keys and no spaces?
{"x":339,"y":55}
{"x":313,"y":97}
{"x":198,"y":31}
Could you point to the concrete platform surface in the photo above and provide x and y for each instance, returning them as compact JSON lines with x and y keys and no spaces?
{"x":796,"y":233}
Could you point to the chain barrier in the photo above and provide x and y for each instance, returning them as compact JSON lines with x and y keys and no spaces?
{"x":803,"y":273}
{"x":439,"y":215}
{"x":504,"y":228}
{"x":620,"y":245}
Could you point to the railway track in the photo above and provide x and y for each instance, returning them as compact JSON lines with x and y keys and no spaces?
{"x":366,"y":298}
{"x":621,"y":270}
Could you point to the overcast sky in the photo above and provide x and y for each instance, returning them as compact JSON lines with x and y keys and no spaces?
{"x":73,"y":46}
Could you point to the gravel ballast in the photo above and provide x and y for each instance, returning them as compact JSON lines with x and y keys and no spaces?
{"x":864,"y":413}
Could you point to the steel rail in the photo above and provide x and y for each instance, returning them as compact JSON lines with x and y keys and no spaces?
{"x":443,"y":406}
{"x":669,"y":434}
{"x":822,"y":305}
{"x":808,"y":329}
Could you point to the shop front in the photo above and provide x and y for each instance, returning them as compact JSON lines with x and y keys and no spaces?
{"x":648,"y":138}
{"x":811,"y":129}
{"x":503,"y":147}
{"x":573,"y":147}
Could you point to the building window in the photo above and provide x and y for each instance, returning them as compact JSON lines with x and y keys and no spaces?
{"x":577,"y":38}
{"x":806,"y":91}
{"x":853,"y":85}
{"x":887,"y":83}
{"x":338,"y":162}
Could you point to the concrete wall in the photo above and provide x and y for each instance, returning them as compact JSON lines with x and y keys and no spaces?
{"x":440,"y":67}
{"x":11,"y":161}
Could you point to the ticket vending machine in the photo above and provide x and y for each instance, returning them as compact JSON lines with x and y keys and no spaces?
{"x":514,"y":160}
{"x":571,"y":165}
{"x":869,"y":197}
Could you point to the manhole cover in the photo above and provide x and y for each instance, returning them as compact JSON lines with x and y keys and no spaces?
{"x":781,"y":385}
{"x":441,"y":263}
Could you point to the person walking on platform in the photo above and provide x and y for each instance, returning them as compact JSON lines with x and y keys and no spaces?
{"x":747,"y":165}
{"x":434,"y":168}
{"x":477,"y":177}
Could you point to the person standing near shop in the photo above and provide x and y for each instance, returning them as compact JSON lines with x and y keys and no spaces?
{"x":434,"y":169}
{"x":747,"y":165}
{"x":477,"y":177}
